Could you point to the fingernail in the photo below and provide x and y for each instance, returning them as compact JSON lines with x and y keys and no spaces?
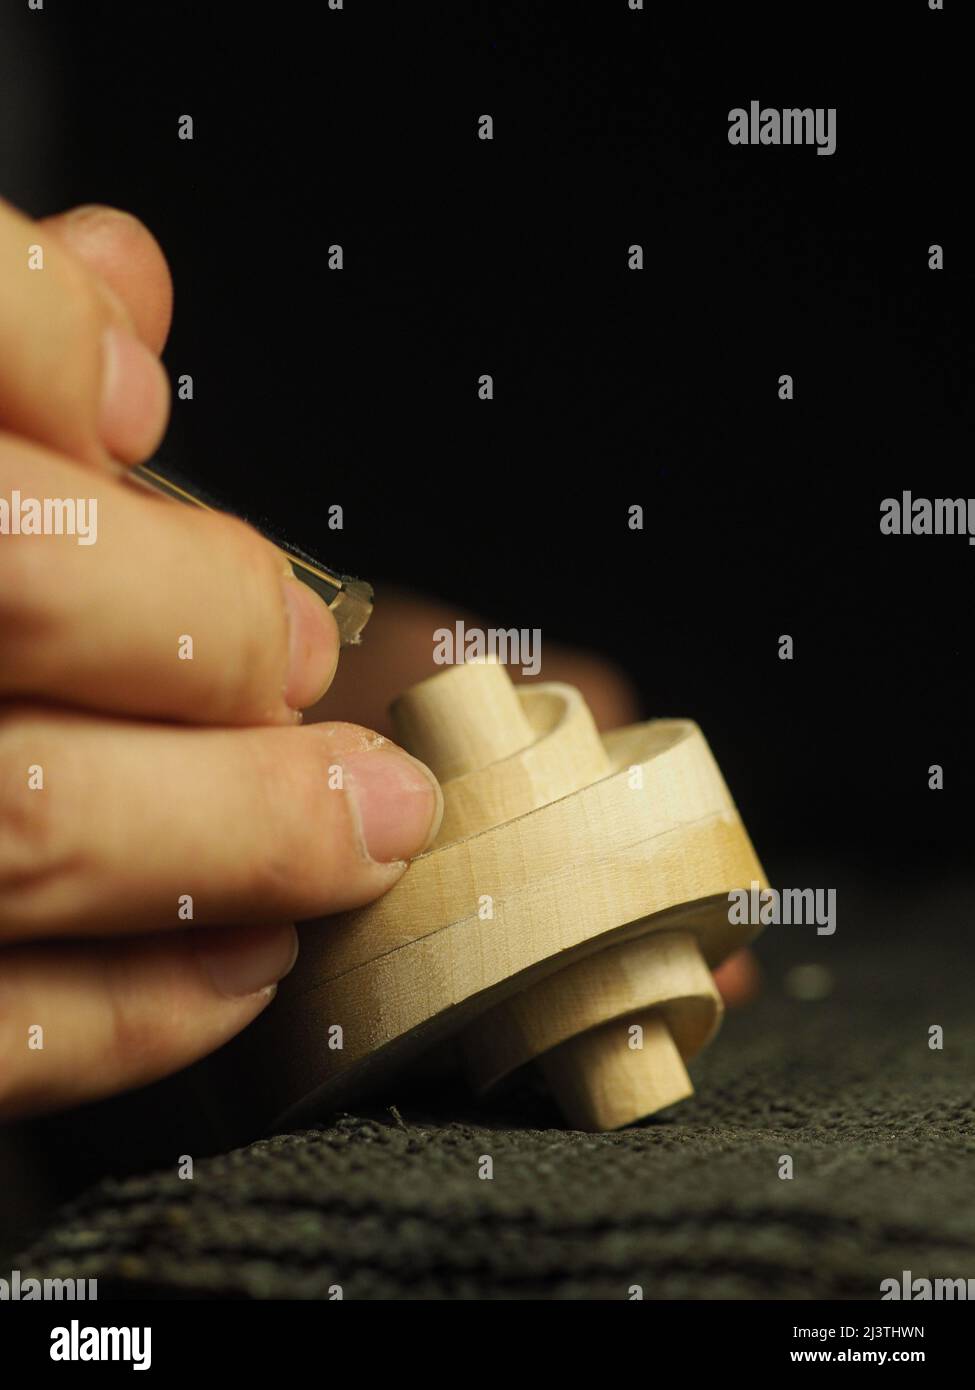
{"x":397,"y":802}
{"x":135,"y":396}
{"x":248,"y":960}
{"x":313,"y":650}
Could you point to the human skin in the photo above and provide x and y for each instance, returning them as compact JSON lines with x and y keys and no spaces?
{"x":164,"y":777}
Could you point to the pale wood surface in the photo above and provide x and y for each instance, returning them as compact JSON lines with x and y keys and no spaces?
{"x":543,"y":817}
{"x":663,"y":971}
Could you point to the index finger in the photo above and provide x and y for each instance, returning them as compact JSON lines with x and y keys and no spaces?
{"x":139,"y":606}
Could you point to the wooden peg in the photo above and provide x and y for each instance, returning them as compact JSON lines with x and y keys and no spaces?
{"x":610,"y":1033}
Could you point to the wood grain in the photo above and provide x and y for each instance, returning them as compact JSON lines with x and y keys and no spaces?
{"x":530,"y":923}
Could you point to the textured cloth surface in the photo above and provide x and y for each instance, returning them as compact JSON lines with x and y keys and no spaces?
{"x":880,"y":1129}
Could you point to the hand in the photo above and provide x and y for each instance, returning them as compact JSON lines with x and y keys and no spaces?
{"x":162,"y":819}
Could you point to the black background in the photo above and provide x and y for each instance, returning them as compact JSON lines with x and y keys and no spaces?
{"x":612,"y":387}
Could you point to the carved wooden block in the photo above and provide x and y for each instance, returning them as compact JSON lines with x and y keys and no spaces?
{"x":567,"y":917}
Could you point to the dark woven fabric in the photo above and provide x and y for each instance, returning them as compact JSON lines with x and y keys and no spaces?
{"x":881,"y":1130}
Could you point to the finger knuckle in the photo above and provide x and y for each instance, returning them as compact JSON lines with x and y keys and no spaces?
{"x":257,"y":664}
{"x":144,"y":1052}
{"x":34,"y":844}
{"x":83,"y":307}
{"x":24,"y":571}
{"x":294,"y":853}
